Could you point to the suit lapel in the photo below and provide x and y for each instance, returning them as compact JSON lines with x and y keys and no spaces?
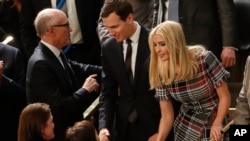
{"x":115,"y":53}
{"x":141,"y":54}
{"x":121,"y":63}
{"x":123,"y":70}
{"x":56,"y":63}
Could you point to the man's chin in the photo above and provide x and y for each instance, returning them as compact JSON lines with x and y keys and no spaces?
{"x":118,"y":39}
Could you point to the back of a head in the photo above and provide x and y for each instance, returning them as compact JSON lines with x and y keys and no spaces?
{"x":121,"y":7}
{"x":32,"y":119}
{"x":81,"y":131}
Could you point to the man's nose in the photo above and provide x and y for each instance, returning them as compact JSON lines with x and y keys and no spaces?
{"x":111,"y":32}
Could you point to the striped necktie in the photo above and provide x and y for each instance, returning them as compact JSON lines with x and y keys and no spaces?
{"x":61,"y":4}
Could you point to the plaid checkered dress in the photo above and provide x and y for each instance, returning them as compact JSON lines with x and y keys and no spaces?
{"x":199,"y":99}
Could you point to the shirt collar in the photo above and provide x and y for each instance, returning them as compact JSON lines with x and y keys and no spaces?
{"x":135,"y":37}
{"x":52,"y":48}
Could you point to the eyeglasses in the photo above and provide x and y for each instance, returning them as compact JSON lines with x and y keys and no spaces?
{"x":61,"y":25}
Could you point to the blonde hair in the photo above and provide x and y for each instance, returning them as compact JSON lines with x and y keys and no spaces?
{"x":179,"y":54}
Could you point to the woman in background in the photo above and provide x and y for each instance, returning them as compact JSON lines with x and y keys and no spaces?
{"x":192,"y":76}
{"x":36,"y":123}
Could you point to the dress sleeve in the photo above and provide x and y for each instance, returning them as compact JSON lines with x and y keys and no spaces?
{"x":216,"y":71}
{"x":161,"y":93}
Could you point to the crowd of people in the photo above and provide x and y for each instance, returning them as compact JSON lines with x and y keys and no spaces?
{"x":158,"y":78}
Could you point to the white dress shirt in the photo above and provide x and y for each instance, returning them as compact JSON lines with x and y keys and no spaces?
{"x":76,"y":34}
{"x":134,"y":43}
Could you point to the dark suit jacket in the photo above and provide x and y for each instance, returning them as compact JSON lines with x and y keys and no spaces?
{"x":48,"y":82}
{"x":12,"y":91}
{"x":9,"y":23}
{"x":208,"y":22}
{"x":118,"y":98}
{"x":88,"y":14}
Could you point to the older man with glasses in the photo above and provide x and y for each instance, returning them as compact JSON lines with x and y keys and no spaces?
{"x":83,"y":16}
{"x":67,"y":86}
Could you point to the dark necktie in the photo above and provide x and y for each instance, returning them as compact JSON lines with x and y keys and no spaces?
{"x":133,"y":115}
{"x":67,"y":69}
{"x":128,"y":61}
{"x":173,"y":10}
{"x":65,"y":63}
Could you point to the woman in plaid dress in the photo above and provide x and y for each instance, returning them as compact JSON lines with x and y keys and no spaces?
{"x":193,"y":76}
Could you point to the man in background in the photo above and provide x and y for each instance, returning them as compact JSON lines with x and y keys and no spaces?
{"x":211,"y":23}
{"x":12,"y":90}
{"x":67,"y":86}
{"x":83,"y":15}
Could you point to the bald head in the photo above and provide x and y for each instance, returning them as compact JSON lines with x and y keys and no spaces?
{"x":46,"y":18}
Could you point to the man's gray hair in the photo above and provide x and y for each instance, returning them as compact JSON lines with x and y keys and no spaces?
{"x":44,"y":19}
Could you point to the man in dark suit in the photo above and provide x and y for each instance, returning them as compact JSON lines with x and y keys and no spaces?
{"x":208,"y":22}
{"x":55,"y":80}
{"x":83,"y":16}
{"x":12,"y":90}
{"x":126,"y":101}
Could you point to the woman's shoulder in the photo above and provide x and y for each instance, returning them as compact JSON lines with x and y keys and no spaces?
{"x":209,"y":55}
{"x":197,"y":51}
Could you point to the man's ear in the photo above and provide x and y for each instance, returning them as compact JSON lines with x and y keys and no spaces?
{"x":49,"y":29}
{"x":130,"y":18}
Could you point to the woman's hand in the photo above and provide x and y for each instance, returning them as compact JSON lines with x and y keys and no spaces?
{"x":216,"y":133}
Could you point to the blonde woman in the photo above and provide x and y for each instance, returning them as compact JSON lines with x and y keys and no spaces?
{"x":192,"y":76}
